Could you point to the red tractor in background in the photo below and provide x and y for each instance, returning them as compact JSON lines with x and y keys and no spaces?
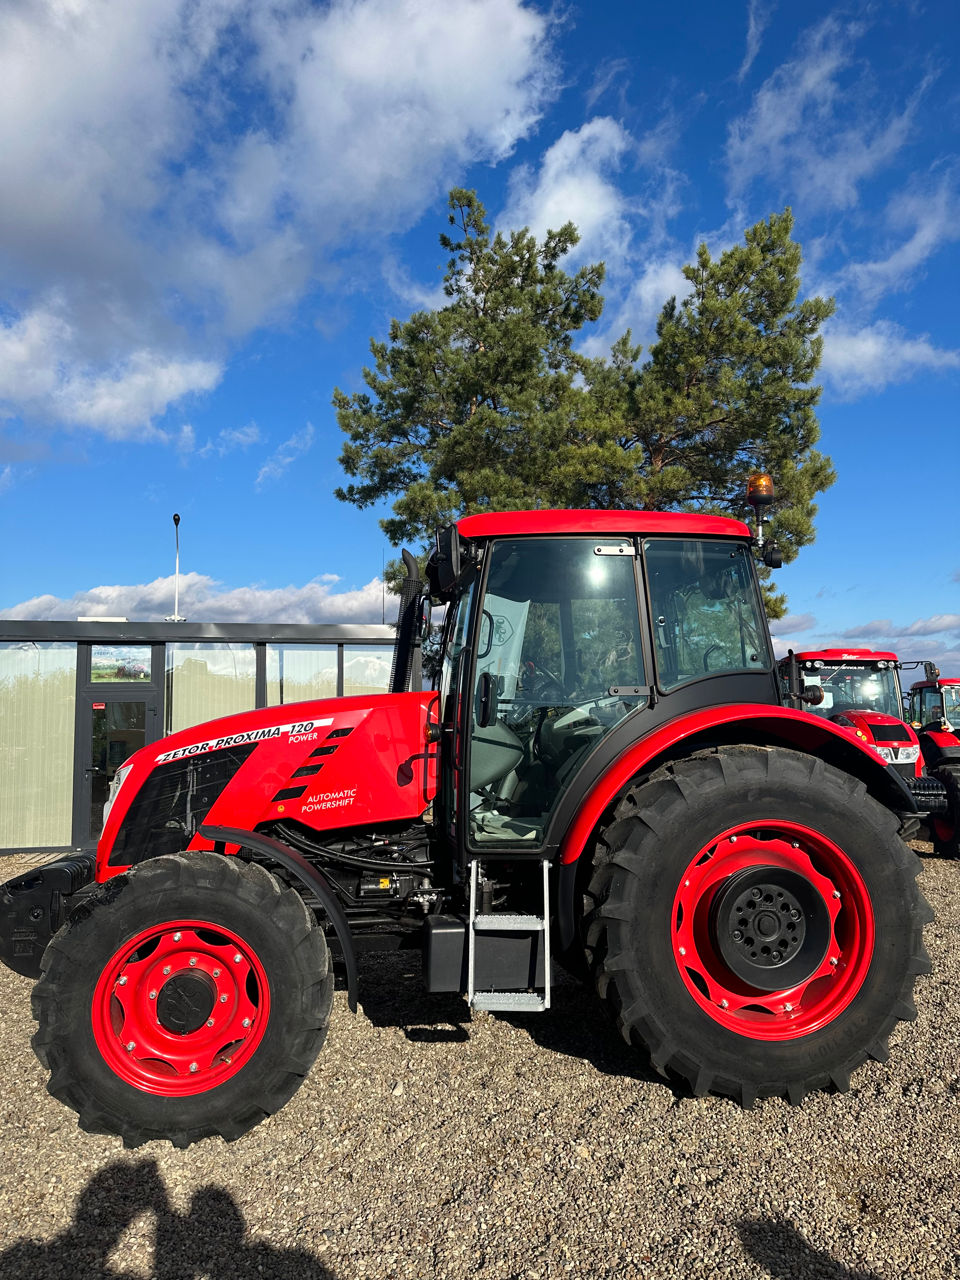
{"x":859,"y":689}
{"x":933,"y":709}
{"x":605,"y":772}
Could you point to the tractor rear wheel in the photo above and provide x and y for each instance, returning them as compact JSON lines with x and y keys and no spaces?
{"x":946,"y":831}
{"x":753,"y":921}
{"x":184,"y":999}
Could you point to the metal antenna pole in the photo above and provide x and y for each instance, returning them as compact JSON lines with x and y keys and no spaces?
{"x":175,"y":617}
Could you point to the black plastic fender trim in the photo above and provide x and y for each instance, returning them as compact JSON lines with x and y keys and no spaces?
{"x":308,"y":875}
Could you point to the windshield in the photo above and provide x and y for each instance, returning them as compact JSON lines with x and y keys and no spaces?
{"x":859,"y":686}
{"x":705,"y":609}
{"x":951,"y":703}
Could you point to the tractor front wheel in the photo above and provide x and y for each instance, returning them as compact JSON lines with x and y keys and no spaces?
{"x":753,"y":921}
{"x":184,"y":999}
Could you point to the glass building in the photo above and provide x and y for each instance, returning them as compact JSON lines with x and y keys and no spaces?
{"x":77,"y":698}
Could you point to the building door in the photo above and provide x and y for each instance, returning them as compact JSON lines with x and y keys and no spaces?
{"x":118,"y":712}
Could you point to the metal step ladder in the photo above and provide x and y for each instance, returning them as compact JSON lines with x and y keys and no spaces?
{"x":507,"y":1001}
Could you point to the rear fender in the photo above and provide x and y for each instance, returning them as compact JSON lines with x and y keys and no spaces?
{"x":745,"y":723}
{"x":755,"y":724}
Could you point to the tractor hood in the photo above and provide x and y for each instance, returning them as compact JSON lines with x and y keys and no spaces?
{"x":895,"y":741}
{"x":329,"y":764}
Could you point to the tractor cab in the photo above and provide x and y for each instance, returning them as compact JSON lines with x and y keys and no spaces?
{"x":566,"y":638}
{"x":935,"y":701}
{"x":859,"y":689}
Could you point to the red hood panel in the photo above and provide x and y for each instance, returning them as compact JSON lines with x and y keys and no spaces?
{"x":335,"y":762}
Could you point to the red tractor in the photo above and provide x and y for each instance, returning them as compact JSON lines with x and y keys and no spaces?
{"x":604,"y":772}
{"x":934,"y":712}
{"x":859,"y":689}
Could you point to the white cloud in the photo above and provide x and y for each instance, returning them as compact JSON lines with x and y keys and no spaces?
{"x":576,"y":183}
{"x":793,"y":624}
{"x":816,"y":126}
{"x":176,"y":174}
{"x":6,"y":478}
{"x":274,"y":467}
{"x":203,"y":599}
{"x":229,"y":440}
{"x":758,"y":18}
{"x":938,"y":624}
{"x":859,"y":361}
{"x":930,"y":217}
{"x":44,"y":372}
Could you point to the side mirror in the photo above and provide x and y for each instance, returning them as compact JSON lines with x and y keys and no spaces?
{"x":772,"y":556}
{"x":813,"y":696}
{"x":448,"y":559}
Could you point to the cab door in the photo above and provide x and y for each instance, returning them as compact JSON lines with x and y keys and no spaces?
{"x":559,"y":663}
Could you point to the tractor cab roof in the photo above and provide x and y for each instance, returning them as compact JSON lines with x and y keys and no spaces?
{"x":845,"y":655}
{"x":512,"y":524}
{"x":935,"y":684}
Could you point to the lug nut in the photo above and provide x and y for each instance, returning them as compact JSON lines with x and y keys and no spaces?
{"x":223,"y":999}
{"x":130,"y":1046}
{"x":789,"y":1008}
{"x":834,"y":961}
{"x":209,"y":1022}
{"x":153,"y":995}
{"x":238,"y":957}
{"x":724,"y":1004}
{"x":216,"y":973}
{"x":794,"y":844}
{"x":682,"y":950}
{"x":177,"y":937}
{"x":794,"y":914}
{"x":733,"y":839}
{"x":193,"y":1066}
{"x":756,"y":894}
{"x":836,"y":893}
{"x":193,"y":961}
{"x":246,"y":1022}
{"x":737,"y":935}
{"x":122,"y":980}
{"x":775,"y":956}
{"x":166,"y":968}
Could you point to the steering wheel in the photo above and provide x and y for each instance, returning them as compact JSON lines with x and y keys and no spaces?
{"x":544,"y":683}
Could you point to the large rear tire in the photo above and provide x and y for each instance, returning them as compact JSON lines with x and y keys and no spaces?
{"x":753,"y":921}
{"x":184,"y":999}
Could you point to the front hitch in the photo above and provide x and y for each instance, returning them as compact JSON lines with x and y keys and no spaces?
{"x":35,"y":904}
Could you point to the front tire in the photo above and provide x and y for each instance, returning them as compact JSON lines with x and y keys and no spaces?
{"x":184,"y":999}
{"x":753,"y":921}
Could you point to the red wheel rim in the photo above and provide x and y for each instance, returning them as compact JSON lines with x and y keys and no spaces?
{"x":180,"y":1008}
{"x":819,"y":883}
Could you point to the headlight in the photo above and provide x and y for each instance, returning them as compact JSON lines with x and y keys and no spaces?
{"x":115,"y":786}
{"x":885,"y":752}
{"x":908,"y":755}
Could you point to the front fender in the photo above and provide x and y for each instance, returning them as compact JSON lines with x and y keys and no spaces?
{"x":294,"y":862}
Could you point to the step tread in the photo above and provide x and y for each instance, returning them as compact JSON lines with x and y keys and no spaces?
{"x":508,"y":920}
{"x":509,"y":1001}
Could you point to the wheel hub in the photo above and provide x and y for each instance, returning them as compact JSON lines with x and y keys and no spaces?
{"x":185,"y":1003}
{"x":771,"y":926}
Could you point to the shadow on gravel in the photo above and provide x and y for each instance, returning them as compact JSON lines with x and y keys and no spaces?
{"x":208,"y":1241}
{"x":778,"y":1247}
{"x":577,"y":1025}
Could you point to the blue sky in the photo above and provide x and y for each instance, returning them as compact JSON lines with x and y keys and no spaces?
{"x":208,"y":209}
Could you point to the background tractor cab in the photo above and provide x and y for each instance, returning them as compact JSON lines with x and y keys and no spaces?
{"x":858,"y":689}
{"x":934,"y":703}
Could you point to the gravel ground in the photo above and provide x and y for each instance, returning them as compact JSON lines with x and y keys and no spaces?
{"x":429,"y":1143}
